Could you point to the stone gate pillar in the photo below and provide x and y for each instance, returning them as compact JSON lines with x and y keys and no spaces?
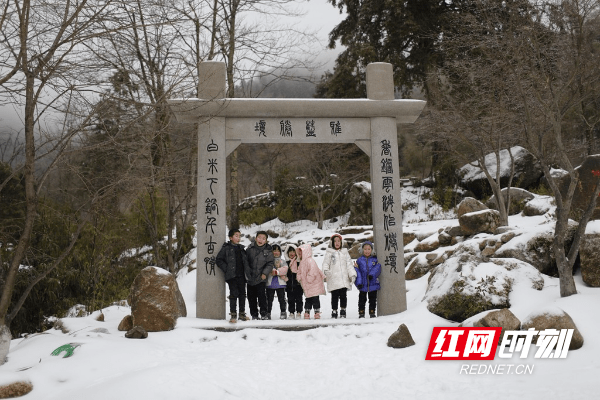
{"x":385,"y":193}
{"x":210,"y":281}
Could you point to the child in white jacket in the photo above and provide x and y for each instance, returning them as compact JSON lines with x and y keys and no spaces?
{"x":340,"y":273}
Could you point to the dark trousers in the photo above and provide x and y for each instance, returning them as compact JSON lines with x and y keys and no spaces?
{"x":341,"y":295}
{"x":280,"y":298}
{"x":362,"y":300}
{"x":312,"y":302}
{"x":257,"y":296}
{"x":295,"y":299}
{"x":237,"y":293}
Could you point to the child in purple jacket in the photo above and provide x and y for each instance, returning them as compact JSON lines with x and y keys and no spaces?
{"x":276,"y":283}
{"x":368,"y":270}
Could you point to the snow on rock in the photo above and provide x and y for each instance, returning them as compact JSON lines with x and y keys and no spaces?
{"x":527,"y":171}
{"x":465,"y":285}
{"x":199,"y":358}
{"x":539,"y":205}
{"x":534,"y":246}
{"x":472,"y":172}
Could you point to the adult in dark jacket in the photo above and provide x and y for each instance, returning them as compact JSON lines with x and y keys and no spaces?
{"x":233,"y":261}
{"x":260,"y":265}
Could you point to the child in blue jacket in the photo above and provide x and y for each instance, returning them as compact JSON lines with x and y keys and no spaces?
{"x":368,"y":270}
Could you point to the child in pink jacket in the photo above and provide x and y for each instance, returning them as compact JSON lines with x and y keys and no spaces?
{"x":311,"y":279}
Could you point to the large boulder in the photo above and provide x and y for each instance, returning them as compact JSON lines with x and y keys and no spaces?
{"x":536,"y":248}
{"x":469,"y":205}
{"x":518,"y":199}
{"x":589,"y":253}
{"x":465,"y":285}
{"x":479,"y":221}
{"x":553,"y":318}
{"x":585,"y":187}
{"x":527,"y":172}
{"x":156,"y":301}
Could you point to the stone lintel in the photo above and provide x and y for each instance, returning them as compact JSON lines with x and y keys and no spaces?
{"x":193,"y":110}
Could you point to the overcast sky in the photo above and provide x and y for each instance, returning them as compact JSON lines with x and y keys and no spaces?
{"x":320,"y":15}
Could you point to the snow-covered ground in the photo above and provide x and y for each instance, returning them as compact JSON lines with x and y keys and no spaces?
{"x":344,"y":360}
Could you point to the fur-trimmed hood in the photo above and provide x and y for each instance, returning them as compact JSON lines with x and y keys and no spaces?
{"x":341,"y":239}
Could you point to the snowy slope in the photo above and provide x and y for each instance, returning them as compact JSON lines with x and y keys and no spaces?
{"x":339,"y":361}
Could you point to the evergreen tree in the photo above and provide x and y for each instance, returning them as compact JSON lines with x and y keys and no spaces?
{"x":404,"y":33}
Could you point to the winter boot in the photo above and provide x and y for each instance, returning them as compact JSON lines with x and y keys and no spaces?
{"x":317,"y":314}
{"x":233,"y":319}
{"x":243,"y":317}
{"x":361,"y":313}
{"x":283,"y":315}
{"x":334,"y":314}
{"x":343,"y":313}
{"x":372,"y":314}
{"x":306,"y":314}
{"x":255,"y":317}
{"x":299,"y":315}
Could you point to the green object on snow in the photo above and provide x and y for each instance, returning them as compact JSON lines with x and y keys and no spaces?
{"x":69,"y":348}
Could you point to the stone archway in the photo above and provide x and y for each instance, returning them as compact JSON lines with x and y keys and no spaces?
{"x":226,"y":123}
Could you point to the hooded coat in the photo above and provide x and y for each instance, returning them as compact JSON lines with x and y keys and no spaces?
{"x":260,"y":261}
{"x":292,"y":274}
{"x":366,"y":267}
{"x":309,"y":274}
{"x":338,"y":267}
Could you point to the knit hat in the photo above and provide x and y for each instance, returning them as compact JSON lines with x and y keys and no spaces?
{"x":361,"y":250}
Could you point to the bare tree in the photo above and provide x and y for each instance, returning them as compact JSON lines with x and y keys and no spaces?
{"x":325,"y":173}
{"x":533,"y":48}
{"x":45,"y":67}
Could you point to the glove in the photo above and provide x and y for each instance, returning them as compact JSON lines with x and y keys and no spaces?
{"x":370,"y":277}
{"x":359,"y":286}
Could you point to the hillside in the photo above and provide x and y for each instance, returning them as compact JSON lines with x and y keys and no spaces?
{"x":344,"y":359}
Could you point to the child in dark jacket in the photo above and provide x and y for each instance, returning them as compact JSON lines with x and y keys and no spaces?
{"x":368,"y":270}
{"x":276,"y":283}
{"x":293,"y":287}
{"x":260,"y":265}
{"x":232,"y":260}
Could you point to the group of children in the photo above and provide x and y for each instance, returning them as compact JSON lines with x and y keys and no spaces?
{"x":266,"y":273}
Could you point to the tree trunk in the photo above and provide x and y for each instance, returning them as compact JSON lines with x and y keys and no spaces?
{"x":31,"y":209}
{"x":5,"y":338}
